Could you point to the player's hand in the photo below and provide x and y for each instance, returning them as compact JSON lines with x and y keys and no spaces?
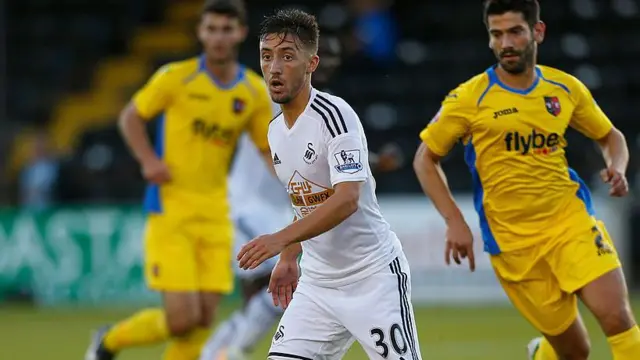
{"x":155,"y":171}
{"x":617,"y":181}
{"x":260,"y":249}
{"x":283,"y":282}
{"x":459,"y":244}
{"x":390,"y":158}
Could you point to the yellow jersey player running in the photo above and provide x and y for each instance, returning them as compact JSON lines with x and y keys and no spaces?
{"x":536,"y":215}
{"x":202,"y":105}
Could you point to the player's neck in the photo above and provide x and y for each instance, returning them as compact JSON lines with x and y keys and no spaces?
{"x":224,"y":72}
{"x":296,"y":106}
{"x":519,"y":81}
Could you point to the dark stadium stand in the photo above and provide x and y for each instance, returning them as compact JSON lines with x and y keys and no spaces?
{"x":76,"y":63}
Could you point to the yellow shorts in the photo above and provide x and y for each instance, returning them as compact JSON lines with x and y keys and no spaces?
{"x":541,"y":281}
{"x":188,"y":255}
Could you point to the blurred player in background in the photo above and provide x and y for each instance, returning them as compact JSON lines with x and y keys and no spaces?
{"x":258,"y":203}
{"x":259,"y":211}
{"x":203,"y":104}
{"x":536,"y":215}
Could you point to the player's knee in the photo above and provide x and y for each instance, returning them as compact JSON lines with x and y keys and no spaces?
{"x":579,"y":349}
{"x":183,"y":312}
{"x":182,"y":325}
{"x":209,"y":304}
{"x":206,"y":319}
{"x":616,"y":320}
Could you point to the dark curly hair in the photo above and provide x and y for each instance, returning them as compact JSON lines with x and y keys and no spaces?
{"x":530,"y":9}
{"x":301,"y":25}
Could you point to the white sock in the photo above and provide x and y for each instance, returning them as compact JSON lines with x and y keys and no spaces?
{"x":259,"y":318}
{"x":222,"y":337}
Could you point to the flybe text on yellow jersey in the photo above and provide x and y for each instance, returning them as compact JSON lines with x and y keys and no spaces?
{"x":524,"y":190}
{"x":199,"y":122}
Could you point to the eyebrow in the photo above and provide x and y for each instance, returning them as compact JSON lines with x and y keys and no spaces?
{"x":286,"y":48}
{"x":509,"y":29}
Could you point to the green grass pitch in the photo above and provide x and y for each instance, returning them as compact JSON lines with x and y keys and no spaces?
{"x":487,"y":333}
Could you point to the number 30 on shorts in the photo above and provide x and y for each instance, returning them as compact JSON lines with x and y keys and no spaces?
{"x":398,"y":342}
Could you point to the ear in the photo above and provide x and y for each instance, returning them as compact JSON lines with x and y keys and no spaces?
{"x":313,"y":64}
{"x":539,"y":30}
{"x":490,"y":44}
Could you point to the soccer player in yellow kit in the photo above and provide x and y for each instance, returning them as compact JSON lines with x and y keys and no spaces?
{"x":202,"y":105}
{"x":536,"y":215}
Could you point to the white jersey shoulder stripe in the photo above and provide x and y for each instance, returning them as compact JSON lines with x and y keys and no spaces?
{"x":326,"y":109}
{"x":337,"y":110}
{"x":275,"y":117}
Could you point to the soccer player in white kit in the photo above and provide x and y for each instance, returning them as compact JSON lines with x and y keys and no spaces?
{"x":258,"y":201}
{"x":355,"y":282}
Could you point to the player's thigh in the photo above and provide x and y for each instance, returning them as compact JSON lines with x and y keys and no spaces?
{"x":214,"y":252}
{"x":379,"y":313}
{"x":170,"y":262}
{"x":579,"y":260}
{"x":533,"y":289}
{"x":573,"y":343}
{"x":308,"y":330}
{"x":589,"y":265}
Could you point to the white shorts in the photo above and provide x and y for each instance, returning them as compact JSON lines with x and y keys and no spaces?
{"x":322,"y":323}
{"x":247,"y":225}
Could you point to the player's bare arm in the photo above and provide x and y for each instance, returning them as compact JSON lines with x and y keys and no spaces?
{"x":132,"y":127}
{"x":434,"y":184}
{"x":616,"y":156}
{"x":284,"y":277}
{"x":291,"y":252}
{"x":335,"y":210}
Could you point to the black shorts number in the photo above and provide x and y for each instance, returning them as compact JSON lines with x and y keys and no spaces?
{"x":398,"y":342}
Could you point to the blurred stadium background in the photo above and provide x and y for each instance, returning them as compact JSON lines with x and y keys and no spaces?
{"x":70,"y":225}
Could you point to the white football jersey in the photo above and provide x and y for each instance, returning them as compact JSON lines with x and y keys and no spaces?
{"x":326,"y":146}
{"x":252,"y":186}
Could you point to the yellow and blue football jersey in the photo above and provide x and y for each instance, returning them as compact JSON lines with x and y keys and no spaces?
{"x":524,"y":190}
{"x":199,"y":122}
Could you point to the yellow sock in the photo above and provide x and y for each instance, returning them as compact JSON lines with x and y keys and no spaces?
{"x":545,"y":351}
{"x":148,"y":326}
{"x":626,"y":346}
{"x":187,"y":347}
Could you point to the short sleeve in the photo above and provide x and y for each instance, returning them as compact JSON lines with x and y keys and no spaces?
{"x":259,"y":122}
{"x":347,"y":153}
{"x":348,"y":159}
{"x":156,"y":94}
{"x":587,"y":117}
{"x":450,"y":124}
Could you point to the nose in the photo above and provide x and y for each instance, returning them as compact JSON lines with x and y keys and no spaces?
{"x":507,"y":42}
{"x":276,"y":67}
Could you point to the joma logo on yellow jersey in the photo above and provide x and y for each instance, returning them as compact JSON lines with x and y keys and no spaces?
{"x":504,"y":112}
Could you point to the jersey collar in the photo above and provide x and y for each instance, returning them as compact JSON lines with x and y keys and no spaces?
{"x":202,"y":67}
{"x":494,"y":79}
